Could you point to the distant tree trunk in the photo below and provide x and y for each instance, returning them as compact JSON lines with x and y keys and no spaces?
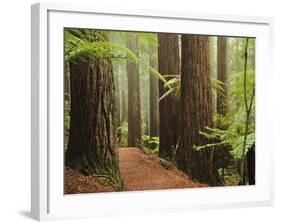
{"x":66,"y":81}
{"x":153,"y":99}
{"x":92,"y":140}
{"x":124,"y":107}
{"x":222,"y":153}
{"x":144,"y":94}
{"x":134,"y":110}
{"x":117,"y":95}
{"x":168,"y":64}
{"x":196,"y":110}
{"x":222,"y":104}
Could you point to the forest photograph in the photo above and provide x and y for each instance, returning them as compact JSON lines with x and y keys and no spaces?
{"x":153,"y":111}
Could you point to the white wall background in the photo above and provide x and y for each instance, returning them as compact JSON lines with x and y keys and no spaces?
{"x":15,"y":110}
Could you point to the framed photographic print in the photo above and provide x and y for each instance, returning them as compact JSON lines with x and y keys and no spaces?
{"x":148,"y":111}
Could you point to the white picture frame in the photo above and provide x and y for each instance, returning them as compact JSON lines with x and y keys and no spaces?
{"x":48,"y":201}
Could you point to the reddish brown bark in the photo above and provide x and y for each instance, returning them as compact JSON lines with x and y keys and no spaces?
{"x":134,"y":110}
{"x":168,"y":64}
{"x":196,"y":110}
{"x":92,"y":139}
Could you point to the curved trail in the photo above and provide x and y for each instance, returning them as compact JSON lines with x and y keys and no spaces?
{"x":140,"y":171}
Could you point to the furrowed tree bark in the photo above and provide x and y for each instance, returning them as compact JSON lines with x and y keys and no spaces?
{"x":222,"y":104}
{"x":92,"y":140}
{"x":196,"y":110}
{"x":168,"y":64}
{"x":153,"y":99}
{"x":134,"y":110}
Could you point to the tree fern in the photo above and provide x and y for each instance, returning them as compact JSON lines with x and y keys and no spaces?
{"x":234,"y":119}
{"x":82,"y":45}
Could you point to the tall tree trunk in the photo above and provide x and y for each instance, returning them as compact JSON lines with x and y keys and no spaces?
{"x":134,"y":110}
{"x":168,"y":64}
{"x":196,"y":110}
{"x":222,"y":104}
{"x":92,"y":140}
{"x":153,"y":99}
{"x":222,"y":153}
{"x":144,"y":93}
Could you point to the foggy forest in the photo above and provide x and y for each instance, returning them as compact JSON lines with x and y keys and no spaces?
{"x":150,"y":111}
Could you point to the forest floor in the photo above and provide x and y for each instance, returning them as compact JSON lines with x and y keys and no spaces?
{"x":139,"y":171}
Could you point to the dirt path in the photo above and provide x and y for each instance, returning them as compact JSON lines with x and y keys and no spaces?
{"x":139,"y":171}
{"x":142,"y":172}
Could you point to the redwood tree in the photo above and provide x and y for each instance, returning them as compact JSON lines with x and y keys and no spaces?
{"x":134,"y":110}
{"x":196,"y":110}
{"x":168,"y":64}
{"x":92,"y":139}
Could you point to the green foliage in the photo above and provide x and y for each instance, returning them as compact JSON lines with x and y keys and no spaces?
{"x":237,"y":89}
{"x":174,"y":82}
{"x":231,"y":177}
{"x":146,"y":41}
{"x":237,"y":114}
{"x":150,"y":143}
{"x":217,"y":86}
{"x":100,"y":50}
{"x":172,"y":86}
{"x":108,"y":177}
{"x":236,"y":54}
{"x":235,"y":119}
{"x":122,"y":134}
{"x":83,"y":44}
